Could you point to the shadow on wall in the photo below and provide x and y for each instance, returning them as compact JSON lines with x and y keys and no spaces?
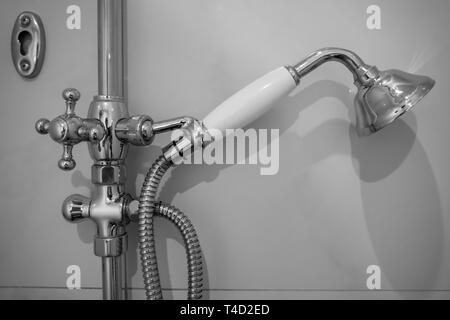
{"x":401,"y":202}
{"x":401,"y":205}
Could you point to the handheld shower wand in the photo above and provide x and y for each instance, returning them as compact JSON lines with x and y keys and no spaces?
{"x":382,"y":97}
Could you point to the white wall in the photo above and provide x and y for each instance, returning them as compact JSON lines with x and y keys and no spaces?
{"x":338,"y":203}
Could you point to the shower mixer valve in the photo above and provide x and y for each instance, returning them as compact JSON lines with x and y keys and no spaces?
{"x":69,"y":129}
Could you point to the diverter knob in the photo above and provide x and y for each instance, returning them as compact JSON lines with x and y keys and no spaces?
{"x":76,"y":207}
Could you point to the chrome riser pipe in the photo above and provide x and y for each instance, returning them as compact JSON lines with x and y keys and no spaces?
{"x":114,"y":278}
{"x":109,"y":154}
{"x":110,"y":48}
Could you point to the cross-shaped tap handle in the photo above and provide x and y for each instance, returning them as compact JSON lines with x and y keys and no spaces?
{"x":69,"y":129}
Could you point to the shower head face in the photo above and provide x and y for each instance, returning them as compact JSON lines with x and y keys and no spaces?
{"x":390,"y":95}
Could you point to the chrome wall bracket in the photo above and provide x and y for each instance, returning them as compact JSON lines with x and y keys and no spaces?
{"x":28,"y":44}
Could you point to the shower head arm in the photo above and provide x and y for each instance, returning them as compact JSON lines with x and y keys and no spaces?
{"x":362,"y":73}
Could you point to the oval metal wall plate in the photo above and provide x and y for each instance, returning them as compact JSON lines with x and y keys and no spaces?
{"x":28,"y":44}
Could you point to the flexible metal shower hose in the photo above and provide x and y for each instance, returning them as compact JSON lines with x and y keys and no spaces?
{"x":193,"y":250}
{"x":147,"y":208}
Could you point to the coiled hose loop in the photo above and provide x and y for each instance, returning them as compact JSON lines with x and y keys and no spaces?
{"x":146,"y":239}
{"x":193,"y":249}
{"x":147,"y":208}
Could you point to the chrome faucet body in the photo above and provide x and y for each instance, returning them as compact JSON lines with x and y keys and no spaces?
{"x":108,"y":130}
{"x":108,"y":201}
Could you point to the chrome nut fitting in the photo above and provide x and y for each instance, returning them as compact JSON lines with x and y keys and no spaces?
{"x":194,"y":135}
{"x":110,"y":247}
{"x":136,"y":130}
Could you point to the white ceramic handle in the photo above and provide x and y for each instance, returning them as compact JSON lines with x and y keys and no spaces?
{"x":251,"y":102}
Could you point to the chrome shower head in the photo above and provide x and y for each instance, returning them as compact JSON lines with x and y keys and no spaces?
{"x":382,"y":96}
{"x":386,"y":97}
